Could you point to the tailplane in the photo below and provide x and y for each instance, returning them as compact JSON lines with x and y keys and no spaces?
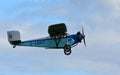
{"x":13,"y":37}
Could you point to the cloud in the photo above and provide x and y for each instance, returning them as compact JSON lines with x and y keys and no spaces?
{"x":106,"y":37}
{"x":93,"y":66}
{"x":101,"y":23}
{"x":36,"y":8}
{"x":75,"y":64}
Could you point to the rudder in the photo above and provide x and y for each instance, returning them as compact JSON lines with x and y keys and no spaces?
{"x":13,"y":37}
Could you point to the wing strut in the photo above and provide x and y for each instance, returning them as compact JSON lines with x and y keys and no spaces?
{"x":57,"y":41}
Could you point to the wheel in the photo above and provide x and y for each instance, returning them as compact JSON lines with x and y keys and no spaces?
{"x":67,"y":49}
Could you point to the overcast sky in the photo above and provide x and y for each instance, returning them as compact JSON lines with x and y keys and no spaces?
{"x":101,"y":21}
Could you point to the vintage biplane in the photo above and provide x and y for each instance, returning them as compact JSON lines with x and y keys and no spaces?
{"x":58,"y":39}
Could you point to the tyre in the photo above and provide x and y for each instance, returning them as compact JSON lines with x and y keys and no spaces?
{"x":67,"y":50}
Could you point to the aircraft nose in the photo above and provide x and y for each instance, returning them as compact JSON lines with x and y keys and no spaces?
{"x":79,"y":37}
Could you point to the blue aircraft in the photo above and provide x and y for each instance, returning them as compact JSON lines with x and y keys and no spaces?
{"x":58,"y":39}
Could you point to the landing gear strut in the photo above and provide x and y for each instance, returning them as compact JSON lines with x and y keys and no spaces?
{"x":67,"y":49}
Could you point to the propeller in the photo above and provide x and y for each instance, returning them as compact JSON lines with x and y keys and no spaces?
{"x":83,"y":34}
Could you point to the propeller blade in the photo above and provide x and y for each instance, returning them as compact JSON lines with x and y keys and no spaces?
{"x":84,"y":42}
{"x":82,"y":30}
{"x":83,"y":36}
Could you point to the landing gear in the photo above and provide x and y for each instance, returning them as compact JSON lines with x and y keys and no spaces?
{"x":67,"y":49}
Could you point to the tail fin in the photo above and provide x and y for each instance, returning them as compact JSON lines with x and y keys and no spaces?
{"x":13,"y":37}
